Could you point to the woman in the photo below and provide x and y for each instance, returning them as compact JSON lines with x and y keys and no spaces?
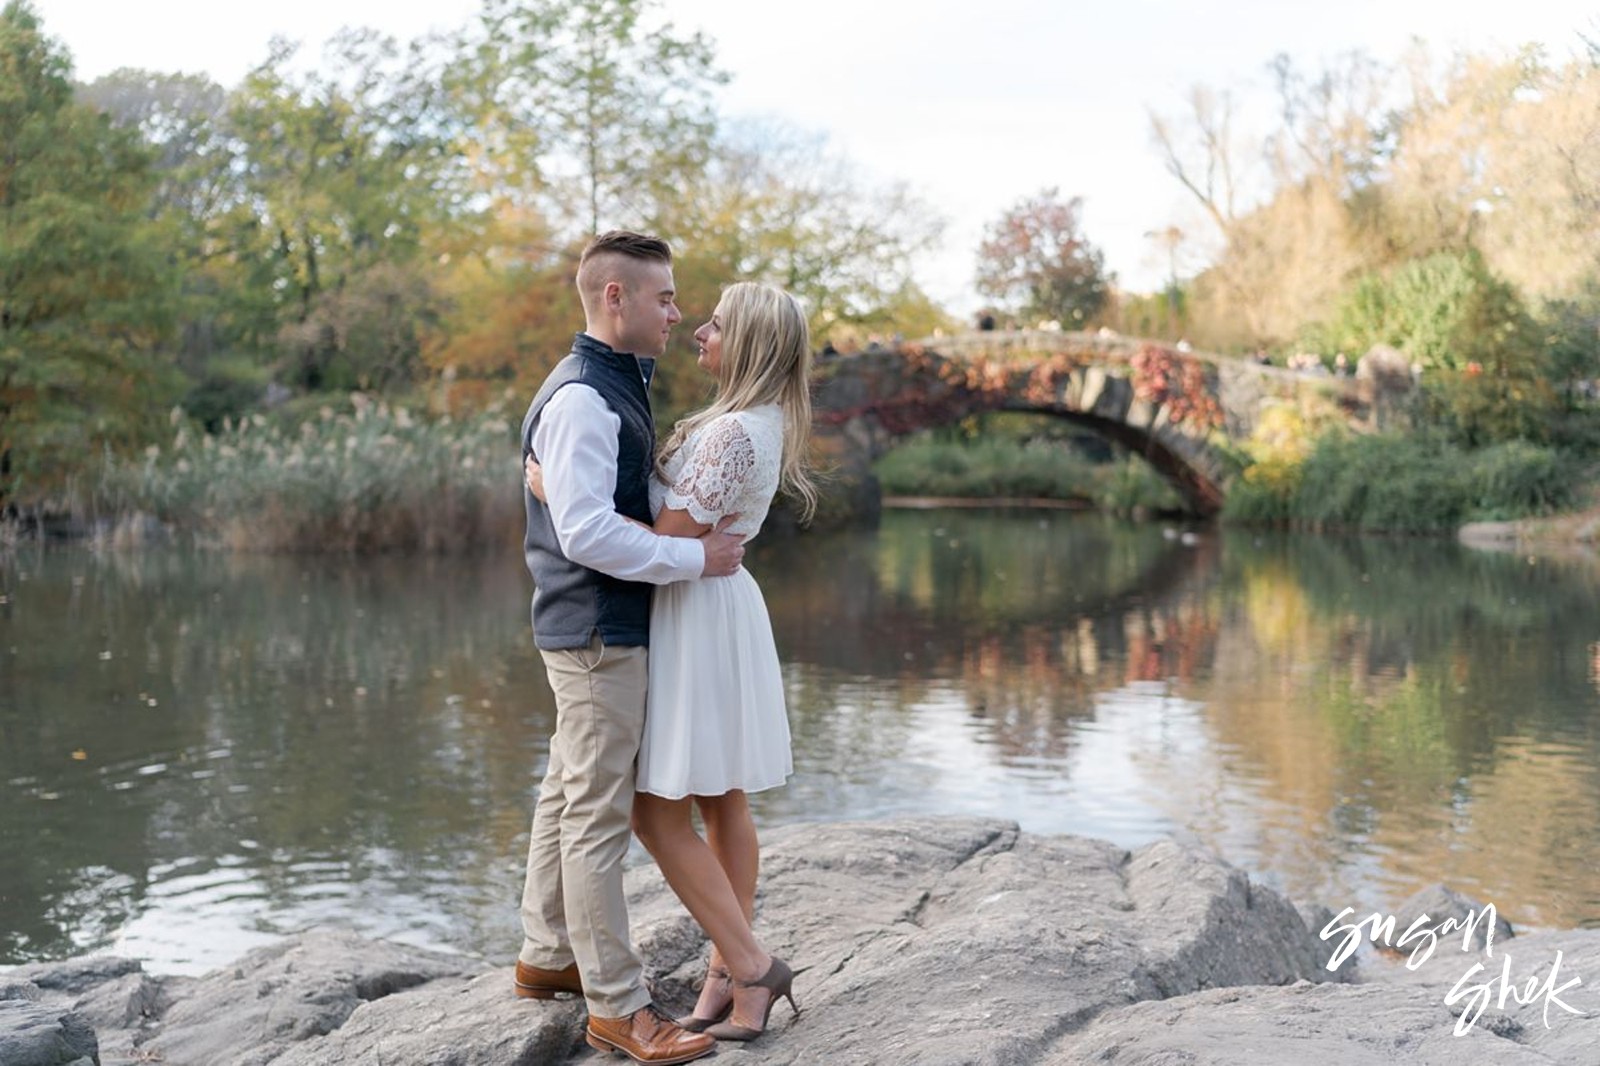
{"x":717,"y":728}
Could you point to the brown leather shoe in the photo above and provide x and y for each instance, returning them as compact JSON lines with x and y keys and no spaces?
{"x":648,"y":1036}
{"x":536,"y":983}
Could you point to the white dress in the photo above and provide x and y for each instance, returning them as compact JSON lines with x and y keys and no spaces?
{"x":716,"y":718}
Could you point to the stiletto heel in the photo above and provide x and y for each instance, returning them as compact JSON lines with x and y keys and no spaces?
{"x":779,"y":983}
{"x":694,"y":1022}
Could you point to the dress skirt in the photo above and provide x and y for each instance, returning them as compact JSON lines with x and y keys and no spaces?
{"x":716,"y":718}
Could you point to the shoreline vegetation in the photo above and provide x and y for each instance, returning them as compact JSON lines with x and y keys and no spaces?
{"x":975,"y":503}
{"x":1417,"y":483}
{"x":370,"y":476}
{"x":1001,"y":462}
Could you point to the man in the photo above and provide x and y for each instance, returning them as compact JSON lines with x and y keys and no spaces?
{"x":591,"y":429}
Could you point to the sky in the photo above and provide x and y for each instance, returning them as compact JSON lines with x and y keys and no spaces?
{"x":975,"y":105}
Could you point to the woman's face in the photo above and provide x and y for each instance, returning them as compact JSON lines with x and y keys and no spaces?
{"x":709,"y":339}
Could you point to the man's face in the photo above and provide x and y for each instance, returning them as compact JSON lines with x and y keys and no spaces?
{"x":646,"y":310}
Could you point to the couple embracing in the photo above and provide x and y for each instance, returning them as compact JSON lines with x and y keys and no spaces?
{"x":657,"y":644}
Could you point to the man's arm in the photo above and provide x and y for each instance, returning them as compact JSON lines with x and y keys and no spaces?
{"x":576,"y":442}
{"x":724,"y":551}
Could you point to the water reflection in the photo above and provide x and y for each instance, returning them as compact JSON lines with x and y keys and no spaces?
{"x":200,"y":752}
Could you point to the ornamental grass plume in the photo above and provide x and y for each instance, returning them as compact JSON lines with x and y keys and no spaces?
{"x":375,"y":478}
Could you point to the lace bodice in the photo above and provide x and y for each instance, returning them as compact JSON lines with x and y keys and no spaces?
{"x":730,"y":465}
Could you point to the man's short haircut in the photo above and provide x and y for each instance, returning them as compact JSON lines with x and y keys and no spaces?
{"x":600,"y":258}
{"x":627,"y":243}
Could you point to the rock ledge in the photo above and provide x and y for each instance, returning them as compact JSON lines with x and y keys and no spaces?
{"x":923,"y":941}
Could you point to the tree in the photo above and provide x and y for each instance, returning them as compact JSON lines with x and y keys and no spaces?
{"x":1446,"y":311}
{"x":1035,"y":258}
{"x":590,"y":106}
{"x":1333,"y":127}
{"x":772,"y":204}
{"x":1571,"y":331}
{"x":223,"y":322}
{"x":775,"y":204}
{"x":1292,"y":214}
{"x":344,"y":176}
{"x":181,"y":120}
{"x":84,"y":280}
{"x":1503,"y":155}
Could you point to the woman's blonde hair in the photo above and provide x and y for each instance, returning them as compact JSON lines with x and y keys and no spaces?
{"x":766,"y":358}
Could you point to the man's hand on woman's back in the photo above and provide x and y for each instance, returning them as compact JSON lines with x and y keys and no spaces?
{"x":724,"y":551}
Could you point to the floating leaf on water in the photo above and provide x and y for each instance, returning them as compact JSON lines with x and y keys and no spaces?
{"x":79,"y":754}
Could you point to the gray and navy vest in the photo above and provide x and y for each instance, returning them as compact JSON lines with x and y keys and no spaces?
{"x":572,"y":602}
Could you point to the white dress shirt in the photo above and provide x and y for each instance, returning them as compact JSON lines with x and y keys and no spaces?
{"x":576,"y":445}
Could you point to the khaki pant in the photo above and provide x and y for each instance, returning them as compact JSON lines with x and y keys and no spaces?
{"x":573,"y":905}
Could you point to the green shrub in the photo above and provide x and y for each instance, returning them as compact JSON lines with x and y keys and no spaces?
{"x":1518,"y":478}
{"x":1264,"y":494}
{"x":1403,"y":485}
{"x":1129,"y":485}
{"x":1570,"y":330}
{"x":1444,"y":311}
{"x":1005,"y":467}
{"x":928,"y":467}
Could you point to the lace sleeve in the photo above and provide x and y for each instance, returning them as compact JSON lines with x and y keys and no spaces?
{"x":708,"y":486}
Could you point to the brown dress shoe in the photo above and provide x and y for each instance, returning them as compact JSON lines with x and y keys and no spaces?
{"x":536,"y":983}
{"x":648,"y":1036}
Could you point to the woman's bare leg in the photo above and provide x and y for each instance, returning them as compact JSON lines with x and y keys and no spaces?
{"x":731,"y":834}
{"x":694,"y":872}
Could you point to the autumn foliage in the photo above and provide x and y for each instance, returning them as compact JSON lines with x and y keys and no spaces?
{"x":1165,"y":378}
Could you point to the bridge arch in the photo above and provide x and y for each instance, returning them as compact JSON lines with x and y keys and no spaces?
{"x":1181,"y":411}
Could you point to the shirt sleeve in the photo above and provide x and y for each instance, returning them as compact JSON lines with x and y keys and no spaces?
{"x":576,"y":445}
{"x":709,"y":485}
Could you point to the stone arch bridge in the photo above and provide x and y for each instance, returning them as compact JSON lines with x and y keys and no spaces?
{"x":1182,"y":411}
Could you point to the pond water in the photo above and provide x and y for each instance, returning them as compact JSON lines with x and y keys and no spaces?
{"x":200,"y":752}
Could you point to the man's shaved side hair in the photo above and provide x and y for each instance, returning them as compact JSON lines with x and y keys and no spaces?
{"x":600,"y":261}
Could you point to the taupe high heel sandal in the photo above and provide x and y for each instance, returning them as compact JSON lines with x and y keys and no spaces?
{"x":696,"y":1024}
{"x":778,"y":981}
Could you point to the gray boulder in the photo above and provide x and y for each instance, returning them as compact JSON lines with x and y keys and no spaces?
{"x":252,"y":1012}
{"x":35,"y":1033}
{"x":76,"y":976}
{"x":1537,"y":962}
{"x":1469,"y":925}
{"x":965,"y":941}
{"x":113,"y":995}
{"x":1331,"y":1025}
{"x":450,"y":1022}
